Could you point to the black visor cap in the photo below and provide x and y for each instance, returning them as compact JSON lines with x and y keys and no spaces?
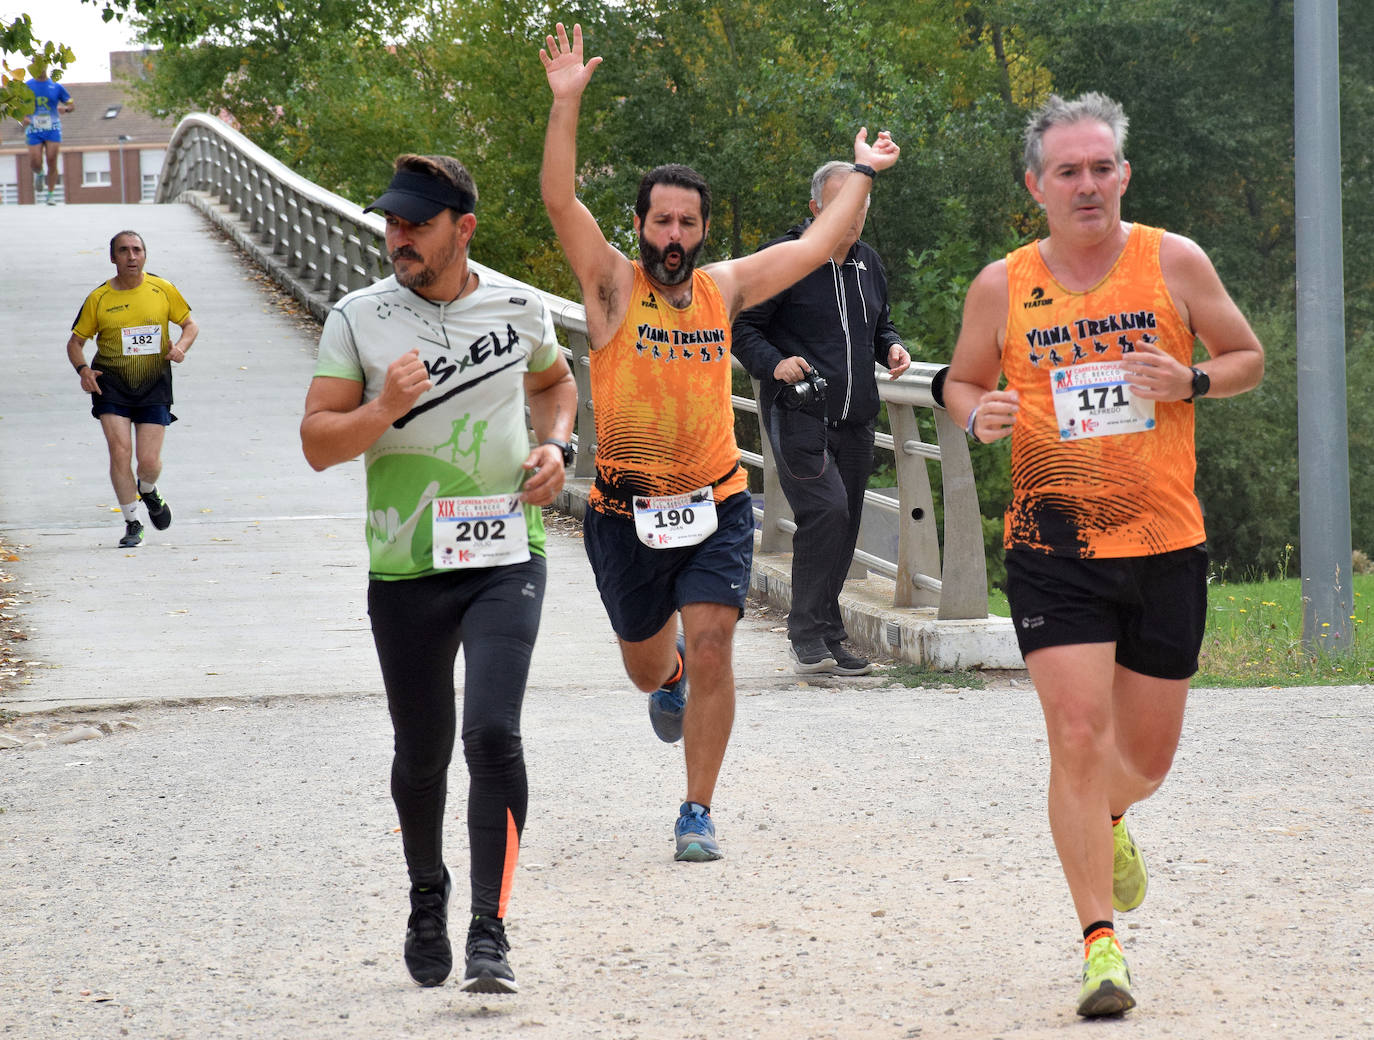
{"x":415,"y":197}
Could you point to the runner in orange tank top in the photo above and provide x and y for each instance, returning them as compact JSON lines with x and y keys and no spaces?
{"x":1093,"y":328}
{"x":670,"y":527}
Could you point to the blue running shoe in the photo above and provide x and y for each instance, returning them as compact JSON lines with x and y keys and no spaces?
{"x":668,"y":703}
{"x":696,"y":835}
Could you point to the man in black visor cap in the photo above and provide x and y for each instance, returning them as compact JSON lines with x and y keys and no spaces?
{"x":454,"y":530}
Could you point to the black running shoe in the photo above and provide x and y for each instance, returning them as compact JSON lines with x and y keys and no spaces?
{"x":811,"y":656}
{"x":159,"y":512}
{"x":429,"y":957}
{"x":845,"y":662}
{"x":488,"y":971}
{"x":133,"y":534}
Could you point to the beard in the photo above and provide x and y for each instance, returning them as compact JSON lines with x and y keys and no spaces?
{"x":653,"y":261}
{"x":426,"y":274}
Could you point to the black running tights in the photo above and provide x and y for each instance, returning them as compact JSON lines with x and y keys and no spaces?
{"x":418,"y":626}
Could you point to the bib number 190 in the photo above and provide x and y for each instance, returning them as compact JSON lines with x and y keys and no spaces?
{"x":675,"y":521}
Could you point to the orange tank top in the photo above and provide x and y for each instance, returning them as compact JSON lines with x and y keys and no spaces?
{"x":1077,"y":490}
{"x":661,"y":393}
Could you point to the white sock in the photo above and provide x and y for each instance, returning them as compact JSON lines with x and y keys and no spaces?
{"x":130,"y":511}
{"x":144,"y":487}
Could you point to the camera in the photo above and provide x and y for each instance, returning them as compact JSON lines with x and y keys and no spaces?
{"x":809,"y":389}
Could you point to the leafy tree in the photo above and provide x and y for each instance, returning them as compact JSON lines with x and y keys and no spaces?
{"x":757,"y":93}
{"x":17,"y":39}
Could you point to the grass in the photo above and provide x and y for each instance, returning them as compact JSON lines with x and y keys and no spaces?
{"x":916,"y":676}
{"x":1254,"y":637}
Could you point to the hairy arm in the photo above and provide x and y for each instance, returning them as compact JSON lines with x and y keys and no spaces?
{"x":603,"y":272}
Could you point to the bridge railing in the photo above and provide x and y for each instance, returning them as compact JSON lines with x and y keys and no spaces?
{"x":320,"y":246}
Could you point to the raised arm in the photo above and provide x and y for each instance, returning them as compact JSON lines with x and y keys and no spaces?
{"x":752,"y":279}
{"x":598,"y":266}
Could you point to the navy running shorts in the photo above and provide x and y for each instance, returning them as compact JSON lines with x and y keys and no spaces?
{"x":1154,"y":608}
{"x":139,"y":413}
{"x":642,"y":588}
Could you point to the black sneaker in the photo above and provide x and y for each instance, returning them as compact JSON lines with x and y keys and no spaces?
{"x":429,"y":957}
{"x":133,"y":534}
{"x":810,"y":656}
{"x":488,"y":971}
{"x":845,"y":662}
{"x":159,"y":512}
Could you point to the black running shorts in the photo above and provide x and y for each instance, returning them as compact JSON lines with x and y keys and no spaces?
{"x":1153,"y":608}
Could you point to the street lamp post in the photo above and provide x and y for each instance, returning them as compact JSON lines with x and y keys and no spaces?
{"x":123,"y":195}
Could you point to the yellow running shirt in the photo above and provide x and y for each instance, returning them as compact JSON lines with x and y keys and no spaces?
{"x":1096,"y":472}
{"x":130,"y":330}
{"x":661,"y":387}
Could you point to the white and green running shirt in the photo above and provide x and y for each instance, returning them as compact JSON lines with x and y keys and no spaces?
{"x":466,"y":436}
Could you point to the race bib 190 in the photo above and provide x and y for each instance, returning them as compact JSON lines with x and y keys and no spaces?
{"x":675,"y":521}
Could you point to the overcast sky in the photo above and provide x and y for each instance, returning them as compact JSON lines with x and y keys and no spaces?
{"x":77,"y":25}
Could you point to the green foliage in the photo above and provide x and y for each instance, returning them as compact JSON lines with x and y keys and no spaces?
{"x":16,"y":38}
{"x":757,"y":93}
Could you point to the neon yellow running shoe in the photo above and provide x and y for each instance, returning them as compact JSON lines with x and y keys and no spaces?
{"x":1129,"y":878}
{"x":1106,"y":980}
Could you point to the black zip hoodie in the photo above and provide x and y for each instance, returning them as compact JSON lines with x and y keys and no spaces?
{"x":837,"y":319}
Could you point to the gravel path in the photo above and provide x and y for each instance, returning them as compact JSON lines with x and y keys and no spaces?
{"x":231,"y":869}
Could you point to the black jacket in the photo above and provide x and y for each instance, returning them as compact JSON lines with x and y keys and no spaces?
{"x":837,"y":319}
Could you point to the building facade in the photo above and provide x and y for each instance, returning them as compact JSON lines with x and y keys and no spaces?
{"x":111,"y":152}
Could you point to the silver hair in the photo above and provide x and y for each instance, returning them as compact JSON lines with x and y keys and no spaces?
{"x":1058,"y":112}
{"x":823,"y":175}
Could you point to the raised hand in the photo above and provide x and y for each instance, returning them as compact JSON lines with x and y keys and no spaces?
{"x":880,"y":155}
{"x":568,"y":74}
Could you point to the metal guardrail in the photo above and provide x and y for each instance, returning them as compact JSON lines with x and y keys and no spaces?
{"x":320,"y":246}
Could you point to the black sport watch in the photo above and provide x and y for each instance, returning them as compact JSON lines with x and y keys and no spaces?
{"x":569,"y":452}
{"x":1202,"y":382}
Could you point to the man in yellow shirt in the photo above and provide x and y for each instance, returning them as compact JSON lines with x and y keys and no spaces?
{"x":130,"y":376}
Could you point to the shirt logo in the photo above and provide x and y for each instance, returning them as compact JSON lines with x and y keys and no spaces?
{"x":649,"y":301}
{"x":1037,"y":299}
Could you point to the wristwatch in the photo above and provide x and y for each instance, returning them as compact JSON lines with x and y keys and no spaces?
{"x":1202,"y":382}
{"x":569,"y":452}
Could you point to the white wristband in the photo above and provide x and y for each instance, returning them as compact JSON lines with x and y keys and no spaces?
{"x":968,"y":426}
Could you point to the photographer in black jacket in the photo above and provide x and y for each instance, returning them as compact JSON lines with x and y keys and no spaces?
{"x":833,"y":324}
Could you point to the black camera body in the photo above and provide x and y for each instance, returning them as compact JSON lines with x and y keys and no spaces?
{"x":810,"y":389}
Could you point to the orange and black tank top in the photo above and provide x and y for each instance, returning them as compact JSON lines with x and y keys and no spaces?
{"x":1077,"y":490}
{"x":661,"y":393}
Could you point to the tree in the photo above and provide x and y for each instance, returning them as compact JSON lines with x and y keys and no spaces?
{"x":16,"y":38}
